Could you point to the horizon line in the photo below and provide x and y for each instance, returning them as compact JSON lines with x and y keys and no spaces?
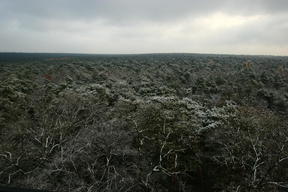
{"x":146,"y":53}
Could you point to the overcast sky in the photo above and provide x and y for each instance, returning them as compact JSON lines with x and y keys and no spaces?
{"x":145,"y":26}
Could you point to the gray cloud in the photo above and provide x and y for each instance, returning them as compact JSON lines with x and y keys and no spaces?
{"x":138,"y":9}
{"x":113,"y":11}
{"x":144,"y":26}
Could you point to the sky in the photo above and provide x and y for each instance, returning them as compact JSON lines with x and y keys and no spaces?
{"x":145,"y":26}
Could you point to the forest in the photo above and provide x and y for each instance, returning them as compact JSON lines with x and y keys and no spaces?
{"x":146,"y":122}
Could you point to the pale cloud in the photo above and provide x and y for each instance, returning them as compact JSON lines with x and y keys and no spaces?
{"x":134,"y":26}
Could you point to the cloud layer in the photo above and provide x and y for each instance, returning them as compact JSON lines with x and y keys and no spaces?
{"x":137,"y":26}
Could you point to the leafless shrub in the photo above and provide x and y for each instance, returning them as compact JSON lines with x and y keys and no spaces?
{"x":254,"y":150}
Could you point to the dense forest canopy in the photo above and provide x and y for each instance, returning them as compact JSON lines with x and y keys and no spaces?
{"x":151,"y":122}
